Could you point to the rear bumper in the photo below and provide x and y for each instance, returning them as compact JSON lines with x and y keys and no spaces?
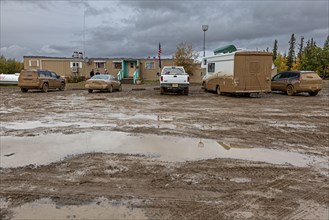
{"x":308,"y":88}
{"x":96,"y":87}
{"x":31,"y":86}
{"x":174,"y":86}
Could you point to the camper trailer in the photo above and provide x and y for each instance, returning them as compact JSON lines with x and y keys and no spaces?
{"x":239,"y":72}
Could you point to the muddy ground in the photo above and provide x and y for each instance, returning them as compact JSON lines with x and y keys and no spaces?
{"x":146,"y":186}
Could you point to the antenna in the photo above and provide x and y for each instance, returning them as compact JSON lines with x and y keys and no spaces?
{"x":84,"y":30}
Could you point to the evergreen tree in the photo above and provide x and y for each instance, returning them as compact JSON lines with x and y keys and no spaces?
{"x":291,"y":52}
{"x":300,"y":51}
{"x":275,"y":50}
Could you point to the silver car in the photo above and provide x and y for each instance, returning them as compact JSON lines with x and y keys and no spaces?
{"x":103,"y":83}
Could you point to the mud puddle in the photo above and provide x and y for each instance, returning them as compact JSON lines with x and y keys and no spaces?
{"x":44,"y":149}
{"x":101,"y":208}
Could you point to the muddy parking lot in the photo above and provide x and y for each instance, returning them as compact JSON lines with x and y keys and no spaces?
{"x":137,"y":154}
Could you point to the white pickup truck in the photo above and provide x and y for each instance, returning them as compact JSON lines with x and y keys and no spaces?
{"x":174,"y":79}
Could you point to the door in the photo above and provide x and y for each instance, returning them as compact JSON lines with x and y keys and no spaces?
{"x":132,"y":68}
{"x":281,"y":81}
{"x":55,"y":80}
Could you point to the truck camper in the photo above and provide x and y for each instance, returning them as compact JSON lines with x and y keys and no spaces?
{"x":237,"y":71}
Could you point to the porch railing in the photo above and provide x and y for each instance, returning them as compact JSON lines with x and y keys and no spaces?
{"x":120,"y":75}
{"x":135,"y":76}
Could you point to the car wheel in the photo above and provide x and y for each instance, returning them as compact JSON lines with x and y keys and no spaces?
{"x":186,"y":92}
{"x":111,"y":89}
{"x":161,"y":91}
{"x":313,"y":93}
{"x":62,"y":87}
{"x":45,"y":87}
{"x":24,"y":90}
{"x":290,"y":90}
{"x":218,"y":90}
{"x":90,"y":90}
{"x":120,"y":88}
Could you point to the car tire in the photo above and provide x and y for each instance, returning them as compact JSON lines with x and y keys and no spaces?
{"x":218,"y":90}
{"x":45,"y":87}
{"x":290,"y":90}
{"x":313,"y":93}
{"x":111,"y":89}
{"x":24,"y":90}
{"x":186,"y":92}
{"x":62,"y":87}
{"x":161,"y":91}
{"x":120,"y":88}
{"x":90,"y":90}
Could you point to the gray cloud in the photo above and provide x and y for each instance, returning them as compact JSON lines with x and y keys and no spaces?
{"x":134,"y":28}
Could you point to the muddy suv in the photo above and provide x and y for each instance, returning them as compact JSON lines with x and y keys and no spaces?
{"x":40,"y":79}
{"x":293,"y":82}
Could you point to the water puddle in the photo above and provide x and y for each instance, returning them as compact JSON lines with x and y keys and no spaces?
{"x":39,"y":124}
{"x":44,"y":149}
{"x":101,"y":208}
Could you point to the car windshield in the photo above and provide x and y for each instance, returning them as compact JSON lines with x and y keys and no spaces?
{"x":173,"y":71}
{"x":104,"y":77}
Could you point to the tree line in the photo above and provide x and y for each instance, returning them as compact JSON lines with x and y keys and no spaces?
{"x":10,"y":66}
{"x":308,"y":57}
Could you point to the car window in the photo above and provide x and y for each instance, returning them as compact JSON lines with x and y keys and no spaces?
{"x":284,"y":75}
{"x":43,"y":73}
{"x":173,"y":71}
{"x":53,"y":75}
{"x":103,"y":77}
{"x":276,"y":76}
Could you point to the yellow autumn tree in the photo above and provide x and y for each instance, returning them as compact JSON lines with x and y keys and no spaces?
{"x":280,"y":63}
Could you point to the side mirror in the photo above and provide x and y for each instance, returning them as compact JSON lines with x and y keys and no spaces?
{"x":158,"y":74}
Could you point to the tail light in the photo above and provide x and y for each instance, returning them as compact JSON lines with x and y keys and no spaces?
{"x":298,"y":79}
{"x":161,"y":78}
{"x":188,"y":79}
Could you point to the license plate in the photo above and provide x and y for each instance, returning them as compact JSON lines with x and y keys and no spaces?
{"x":174,"y":85}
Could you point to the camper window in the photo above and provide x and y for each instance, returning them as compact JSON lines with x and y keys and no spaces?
{"x":205,"y":62}
{"x":211,"y":67}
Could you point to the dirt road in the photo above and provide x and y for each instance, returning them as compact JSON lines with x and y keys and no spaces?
{"x":76,"y":155}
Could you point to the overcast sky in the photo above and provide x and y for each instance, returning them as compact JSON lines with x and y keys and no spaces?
{"x":134,"y":28}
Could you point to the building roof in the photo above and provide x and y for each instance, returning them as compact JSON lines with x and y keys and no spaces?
{"x":227,"y":49}
{"x":93,"y":58}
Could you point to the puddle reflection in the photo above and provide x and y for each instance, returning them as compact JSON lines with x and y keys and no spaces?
{"x":44,"y":149}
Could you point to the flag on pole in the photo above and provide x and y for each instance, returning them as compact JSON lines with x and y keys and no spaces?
{"x":159,"y":55}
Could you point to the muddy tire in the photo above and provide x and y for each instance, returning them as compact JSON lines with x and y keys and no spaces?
{"x":313,"y":93}
{"x":185,"y":91}
{"x":218,"y":90}
{"x":45,"y":87}
{"x":111,"y":89}
{"x":62,"y":87}
{"x":24,"y":90}
{"x":120,"y":88}
{"x":290,"y":90}
{"x":162,"y":91}
{"x":90,"y":90}
{"x":247,"y":94}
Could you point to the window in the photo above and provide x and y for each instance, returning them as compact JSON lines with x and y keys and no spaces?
{"x":118,"y":66}
{"x":53,"y":75}
{"x":132,"y":65}
{"x":76,"y":64}
{"x":149,"y":65}
{"x":211,"y":67}
{"x":33,"y":62}
{"x":205,"y":62}
{"x":99,"y":65}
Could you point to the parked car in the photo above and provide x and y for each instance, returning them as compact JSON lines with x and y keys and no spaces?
{"x":40,"y":79}
{"x":174,"y":79}
{"x":103,"y":83}
{"x":293,"y":82}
